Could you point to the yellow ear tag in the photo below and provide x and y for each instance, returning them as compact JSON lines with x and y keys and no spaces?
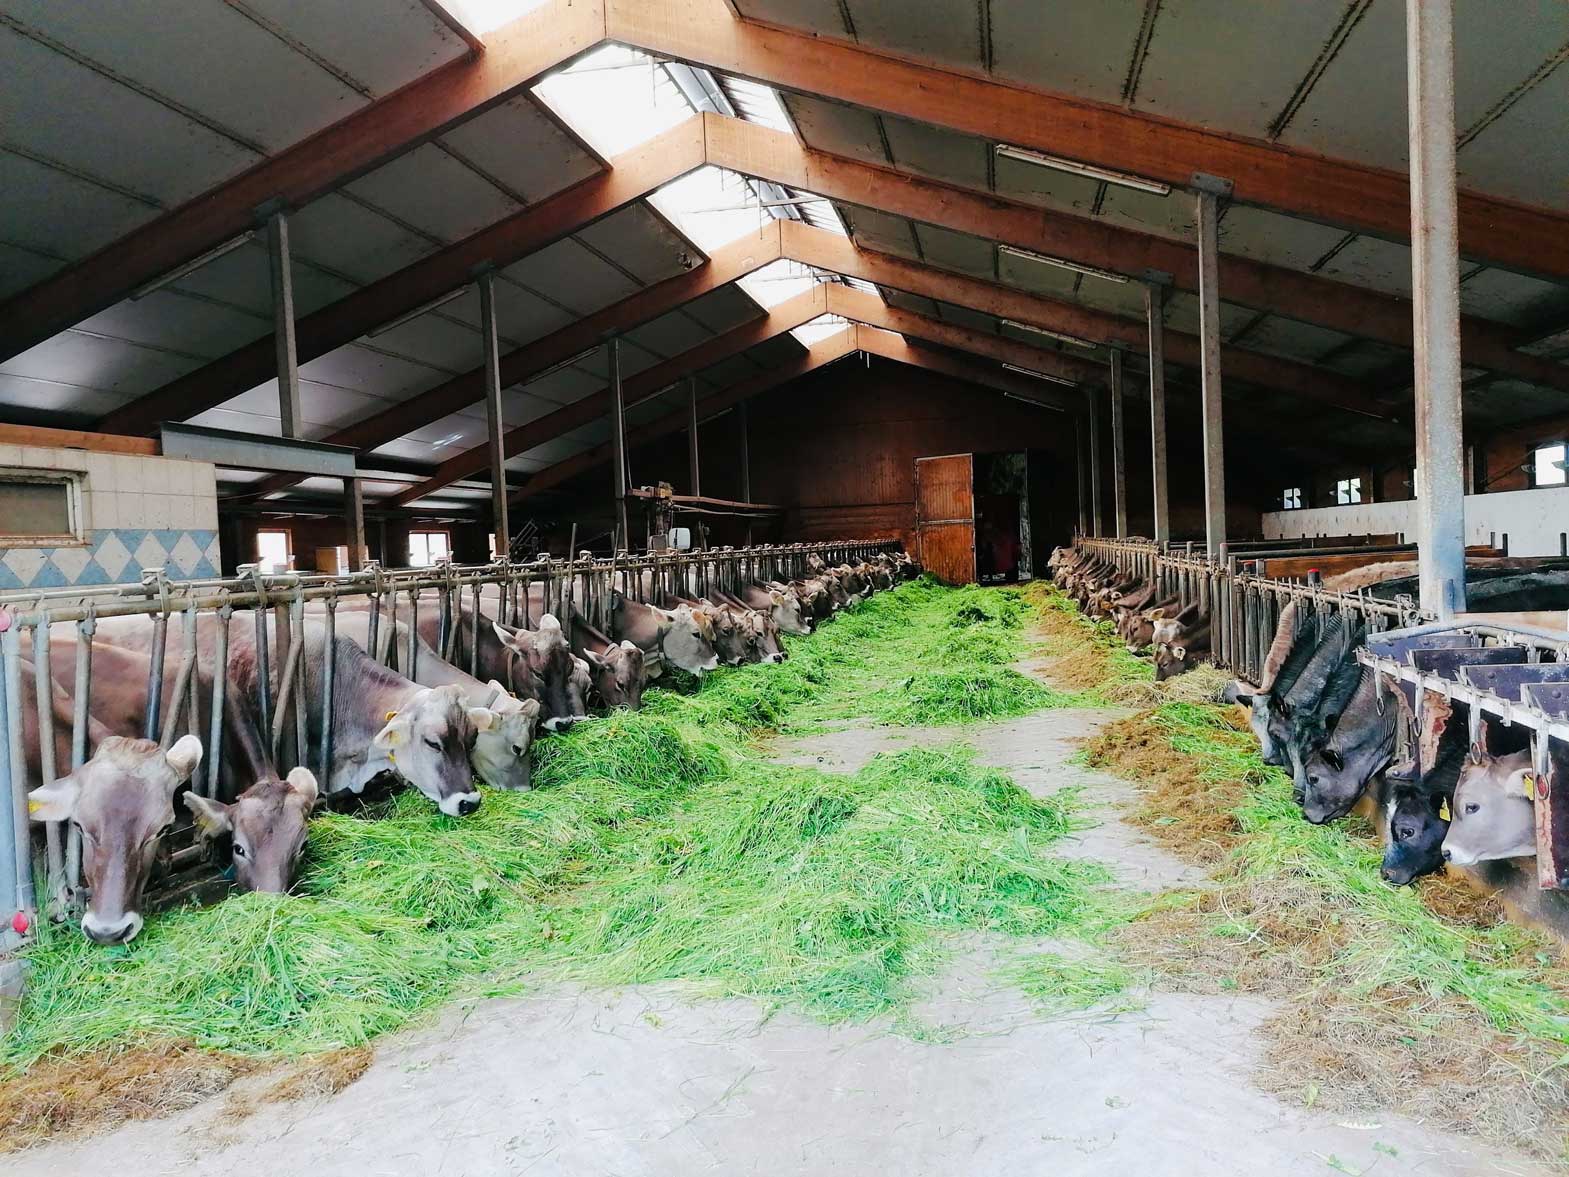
{"x":1443,"y":811}
{"x":391,"y":715}
{"x":34,"y":806}
{"x":1529,"y":782}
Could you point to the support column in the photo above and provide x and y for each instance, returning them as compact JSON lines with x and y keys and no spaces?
{"x":746,"y":464}
{"x":1084,"y":474}
{"x":493,"y":420}
{"x":1435,"y":289}
{"x":290,"y":418}
{"x":1095,"y":520}
{"x":1209,"y":341}
{"x":694,"y":471}
{"x":354,"y":523}
{"x":1154,"y":313}
{"x":618,"y":450}
{"x":1119,"y":450}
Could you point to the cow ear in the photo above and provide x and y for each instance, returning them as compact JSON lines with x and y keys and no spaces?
{"x":503,"y":635}
{"x":1335,"y":760}
{"x":529,"y":708}
{"x":394,"y":735}
{"x":54,"y":802}
{"x":212,"y":817}
{"x":777,"y":597}
{"x":1180,"y":653}
{"x":593,"y":659}
{"x":548,"y":621}
{"x":483,"y":718}
{"x":303,"y":782}
{"x":184,"y":756}
{"x":629,"y":644}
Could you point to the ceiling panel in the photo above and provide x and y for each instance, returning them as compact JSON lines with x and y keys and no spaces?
{"x":21,"y":268}
{"x":92,"y":124}
{"x":819,"y":15}
{"x":389,"y":44}
{"x":1502,"y":402}
{"x":1371,"y":261}
{"x":1278,"y":240}
{"x":971,"y":320}
{"x":440,"y":338}
{"x":48,"y":210}
{"x":944,"y":31}
{"x":521,"y":315}
{"x":931,"y":151}
{"x":95,"y":362}
{"x":879,"y":231}
{"x":1082,"y":49}
{"x":1034,"y":276}
{"x":957,"y":251}
{"x":1513,"y":298}
{"x":368,"y":370}
{"x":911,"y":302}
{"x":1046,"y":186}
{"x":1122,"y":298}
{"x":1169,"y":216}
{"x":573,"y":276}
{"x":50,"y":396}
{"x":1287,"y":337}
{"x":327,"y":408}
{"x":843,"y":130}
{"x":521,"y":146}
{"x":641,"y":242}
{"x":1367,"y":359}
{"x":565,"y":385}
{"x":670,"y":334}
{"x":1519,"y":155}
{"x":351,"y":239}
{"x":432,"y":191}
{"x":723,"y":309}
{"x":169,"y":319}
{"x":1182,"y":314}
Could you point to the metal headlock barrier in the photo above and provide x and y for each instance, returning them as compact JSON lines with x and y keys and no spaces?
{"x":1244,"y":608}
{"x":515,"y":594}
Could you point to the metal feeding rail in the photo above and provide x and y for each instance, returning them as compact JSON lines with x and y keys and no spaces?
{"x":1244,"y":608}
{"x":516,"y":594}
{"x":1517,"y":675}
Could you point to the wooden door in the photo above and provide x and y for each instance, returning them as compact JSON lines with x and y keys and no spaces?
{"x":945,"y":517}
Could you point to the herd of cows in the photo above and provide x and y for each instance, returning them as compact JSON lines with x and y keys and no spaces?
{"x":1445,"y":802}
{"x":401,"y":713}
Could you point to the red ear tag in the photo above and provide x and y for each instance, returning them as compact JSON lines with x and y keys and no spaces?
{"x":20,"y":924}
{"x":5,"y":619}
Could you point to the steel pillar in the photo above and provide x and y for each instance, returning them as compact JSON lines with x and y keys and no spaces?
{"x":1209,"y":345}
{"x":1119,"y":449}
{"x":493,"y":420}
{"x":354,"y":521}
{"x":746,"y":464}
{"x":1082,"y":463}
{"x":290,"y":419}
{"x":1095,"y":519}
{"x":694,"y":471}
{"x":618,"y":450}
{"x":1154,"y":313}
{"x":1435,"y":298}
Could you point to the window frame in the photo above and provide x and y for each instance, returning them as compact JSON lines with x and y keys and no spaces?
{"x":446,"y":533}
{"x":1291,"y":498}
{"x":1350,"y":483}
{"x":1536,"y":477}
{"x":74,"y":483}
{"x":288,"y":548}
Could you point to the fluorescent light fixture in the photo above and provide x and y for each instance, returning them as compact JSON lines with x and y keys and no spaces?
{"x":1089,"y":171}
{"x":1030,"y":400}
{"x":1061,"y":264}
{"x":560,"y":364}
{"x":1040,"y":375}
{"x":1046,"y":331}
{"x":420,"y":310}
{"x":193,"y":265}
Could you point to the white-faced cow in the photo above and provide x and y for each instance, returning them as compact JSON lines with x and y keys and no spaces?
{"x":266,"y":826}
{"x":1494,"y":810}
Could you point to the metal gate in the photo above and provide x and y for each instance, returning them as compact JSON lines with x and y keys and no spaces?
{"x":945,"y":516}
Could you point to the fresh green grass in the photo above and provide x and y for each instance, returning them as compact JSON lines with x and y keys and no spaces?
{"x":660,"y":845}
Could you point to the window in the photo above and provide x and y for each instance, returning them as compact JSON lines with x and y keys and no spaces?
{"x":1348,"y":490}
{"x":1547,"y":466}
{"x":273,"y":551}
{"x":426,"y":547}
{"x":38,"y":507}
{"x":1291,"y":498}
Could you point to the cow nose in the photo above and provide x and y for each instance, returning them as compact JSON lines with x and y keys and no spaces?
{"x":467,"y":805}
{"x":1448,"y":854}
{"x":120,"y":931}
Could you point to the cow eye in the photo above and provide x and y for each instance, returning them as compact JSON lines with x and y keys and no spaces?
{"x":1472,"y":807}
{"x":1406,"y":834}
{"x":436,"y":744}
{"x":518,"y":750}
{"x":239,"y":851}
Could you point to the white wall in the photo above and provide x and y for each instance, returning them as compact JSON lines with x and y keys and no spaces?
{"x":1533,"y":520}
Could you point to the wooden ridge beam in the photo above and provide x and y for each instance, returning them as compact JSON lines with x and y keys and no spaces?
{"x":830,"y":251}
{"x":522,"y":364}
{"x":825,"y":351}
{"x":635,"y":174}
{"x":775,"y":156}
{"x":515,"y":56}
{"x":1270,"y":175}
{"x":788,"y":315}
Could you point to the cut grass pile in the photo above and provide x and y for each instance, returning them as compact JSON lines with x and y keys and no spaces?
{"x":657,"y":845}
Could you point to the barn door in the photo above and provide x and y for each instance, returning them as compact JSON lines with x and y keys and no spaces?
{"x":945,"y":516}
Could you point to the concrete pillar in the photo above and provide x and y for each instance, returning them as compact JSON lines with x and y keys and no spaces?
{"x":618,"y":449}
{"x":1154,"y":313}
{"x":290,"y":419}
{"x":493,"y":422}
{"x":1435,"y":286}
{"x":1095,"y":518}
{"x":1119,"y":454}
{"x":1209,"y":341}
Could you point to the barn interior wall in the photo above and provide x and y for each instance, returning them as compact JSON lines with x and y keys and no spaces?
{"x":388,"y":541}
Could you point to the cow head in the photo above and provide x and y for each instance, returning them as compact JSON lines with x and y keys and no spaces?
{"x":427,"y":742}
{"x":617,"y":675}
{"x":539,"y":662}
{"x":686,"y":640}
{"x":500,"y":755}
{"x":1416,"y":821}
{"x":731,"y":637}
{"x":122,"y":802}
{"x":266,"y":825}
{"x":785,"y":607}
{"x":1171,"y":659}
{"x":1494,"y":813}
{"x":766,"y":630}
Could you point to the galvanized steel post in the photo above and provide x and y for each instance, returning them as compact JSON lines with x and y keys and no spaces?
{"x":1084,"y":475}
{"x":1119,"y":456}
{"x":1435,"y":285}
{"x":618,"y":450}
{"x":1209,"y":341}
{"x":694,"y":472}
{"x":1155,"y":316}
{"x":1095,"y":520}
{"x":290,"y":417}
{"x":493,"y":418}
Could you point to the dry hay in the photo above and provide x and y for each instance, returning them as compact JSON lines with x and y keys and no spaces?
{"x":63,"y":1095}
{"x":320,"y":1076}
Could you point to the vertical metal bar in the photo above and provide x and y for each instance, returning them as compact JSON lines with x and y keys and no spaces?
{"x":301,"y":706}
{"x":83,"y":692}
{"x":1095,"y":518}
{"x":1084,"y":474}
{"x":150,"y":729}
{"x":694,"y":470}
{"x":493,"y":419}
{"x":290,"y":418}
{"x":220,"y":684}
{"x":1435,"y":286}
{"x":1209,"y":341}
{"x":413,"y":634}
{"x":618,"y":449}
{"x":746,"y":463}
{"x":19,"y":848}
{"x":43,"y":697}
{"x":474,"y":634}
{"x":328,"y":683}
{"x":1155,"y":316}
{"x":1119,"y":454}
{"x":354,"y":520}
{"x":183,"y":678}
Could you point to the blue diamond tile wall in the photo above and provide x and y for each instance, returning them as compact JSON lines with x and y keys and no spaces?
{"x":136,"y":512}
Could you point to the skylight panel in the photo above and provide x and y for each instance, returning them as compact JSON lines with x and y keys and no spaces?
{"x":481,"y":16}
{"x":819,"y":329}
{"x":616,"y":98}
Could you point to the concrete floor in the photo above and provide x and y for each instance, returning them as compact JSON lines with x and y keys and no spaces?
{"x":649,"y":1082}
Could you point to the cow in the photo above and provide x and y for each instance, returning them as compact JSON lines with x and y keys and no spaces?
{"x":616,"y":670}
{"x":1181,"y":642}
{"x":678,"y":636}
{"x":532,"y":663}
{"x":1494,"y":811}
{"x":778,"y":601}
{"x":266,"y":826}
{"x":122,"y":802}
{"x":1339,"y":759}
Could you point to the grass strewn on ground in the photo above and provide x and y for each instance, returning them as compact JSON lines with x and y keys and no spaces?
{"x":657,"y":845}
